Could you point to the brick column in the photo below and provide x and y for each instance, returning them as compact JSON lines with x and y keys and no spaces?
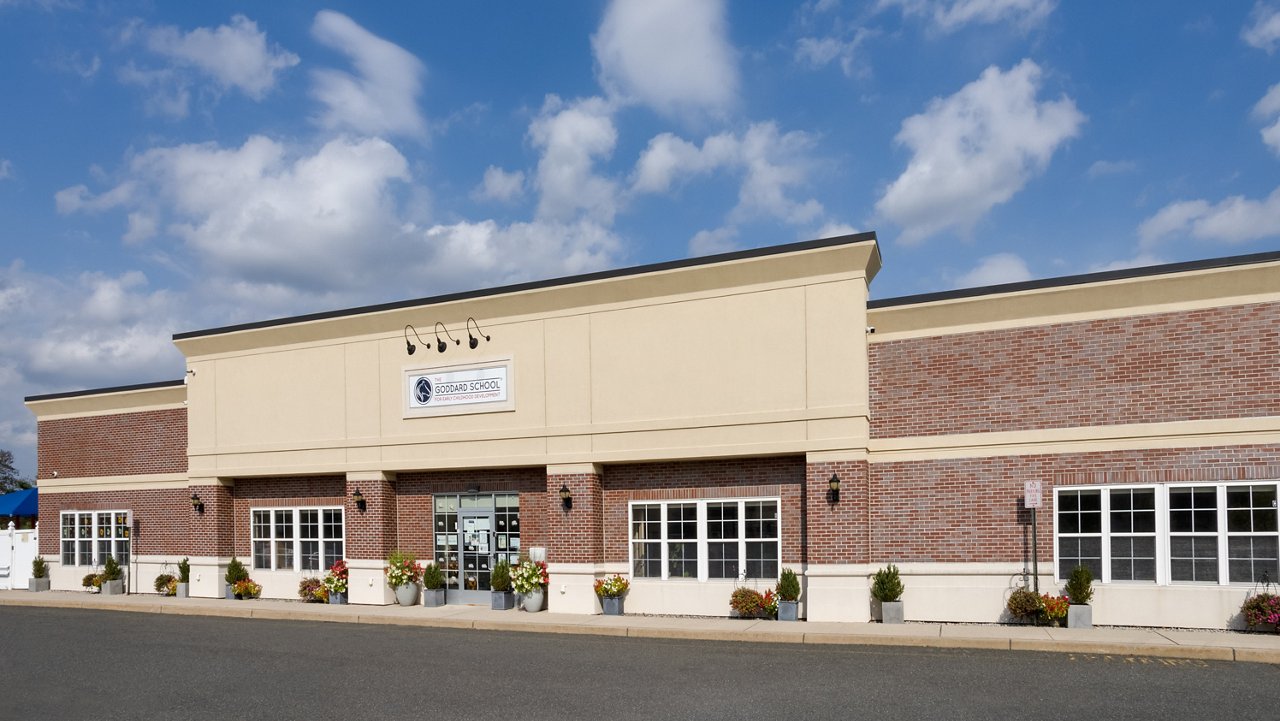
{"x":836,"y":532}
{"x":370,"y":535}
{"x":211,"y":540}
{"x":574,"y":534}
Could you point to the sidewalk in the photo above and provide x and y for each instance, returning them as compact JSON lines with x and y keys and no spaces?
{"x":1123,"y":642}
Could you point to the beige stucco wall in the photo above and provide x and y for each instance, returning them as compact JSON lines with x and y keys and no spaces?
{"x":753,"y":356}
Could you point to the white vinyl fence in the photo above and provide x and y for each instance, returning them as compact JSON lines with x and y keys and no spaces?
{"x":17,"y":551}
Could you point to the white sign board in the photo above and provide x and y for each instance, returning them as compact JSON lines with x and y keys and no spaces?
{"x":1031,"y":493}
{"x":476,"y":389}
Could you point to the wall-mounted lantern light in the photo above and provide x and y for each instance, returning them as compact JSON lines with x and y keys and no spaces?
{"x":358,"y":497}
{"x":196,"y":504}
{"x":441,"y":345}
{"x":409,"y":347}
{"x":566,"y":498}
{"x":472,"y":341}
{"x":833,"y":489}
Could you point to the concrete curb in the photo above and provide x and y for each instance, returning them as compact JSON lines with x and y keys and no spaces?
{"x":988,"y":640}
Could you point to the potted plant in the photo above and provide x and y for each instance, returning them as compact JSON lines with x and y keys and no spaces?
{"x":403,"y":574}
{"x":750,"y":603}
{"x":500,"y":584}
{"x":432,"y":586}
{"x":788,"y":596}
{"x":92,"y":582}
{"x":1261,"y":610}
{"x":886,"y":590}
{"x":530,"y":580}
{"x":611,"y":590}
{"x":1024,"y":605}
{"x":246,"y":589}
{"x":112,"y":578}
{"x":166,"y":584}
{"x":1080,"y":591}
{"x":312,"y":590}
{"x":236,"y":573}
{"x":335,"y":583}
{"x":1054,"y":608}
{"x":39,"y":575}
{"x":184,"y":578}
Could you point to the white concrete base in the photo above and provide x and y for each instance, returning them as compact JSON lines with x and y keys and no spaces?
{"x":572,"y":587}
{"x":367,"y":583}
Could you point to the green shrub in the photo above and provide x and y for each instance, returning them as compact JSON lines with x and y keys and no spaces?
{"x":1024,"y":603}
{"x":788,"y":586}
{"x":887,"y":586}
{"x":312,"y":590}
{"x":432,"y":577}
{"x":111,"y":571}
{"x":500,"y":579}
{"x":236,"y":572}
{"x":39,"y":569}
{"x":90,"y":581}
{"x":747,"y":602}
{"x":1080,"y":585}
{"x":184,"y":571}
{"x":163,"y":581}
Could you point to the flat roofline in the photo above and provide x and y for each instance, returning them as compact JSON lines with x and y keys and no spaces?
{"x":104,"y":391}
{"x":1069,"y":280}
{"x":869,"y":236}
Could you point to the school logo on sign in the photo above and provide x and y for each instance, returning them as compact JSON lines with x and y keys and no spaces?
{"x":422,"y":391}
{"x":467,"y":390}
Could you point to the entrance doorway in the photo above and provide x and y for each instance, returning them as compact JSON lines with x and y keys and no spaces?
{"x":472,"y":533}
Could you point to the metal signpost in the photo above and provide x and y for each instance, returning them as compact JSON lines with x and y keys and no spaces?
{"x":1031,"y":499}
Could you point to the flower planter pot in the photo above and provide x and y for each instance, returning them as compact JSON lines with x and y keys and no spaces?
{"x":38,"y":584}
{"x":407,"y":595}
{"x":612,"y":606}
{"x":227,"y":592}
{"x":502,"y":600}
{"x":113,"y":588}
{"x":338,"y":599}
{"x":891,"y":612}
{"x":534,"y":600}
{"x":1080,"y":616}
{"x":433,"y":597}
{"x":184,"y":590}
{"x":788,"y":610}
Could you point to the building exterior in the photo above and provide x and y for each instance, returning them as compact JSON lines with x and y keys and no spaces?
{"x":697,"y":413}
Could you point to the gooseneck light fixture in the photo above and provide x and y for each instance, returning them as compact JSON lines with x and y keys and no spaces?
{"x":196,"y":504}
{"x":566,"y":498}
{"x":472,"y":341}
{"x":409,"y":347}
{"x":441,"y":345}
{"x":358,"y":497}
{"x":833,"y":489}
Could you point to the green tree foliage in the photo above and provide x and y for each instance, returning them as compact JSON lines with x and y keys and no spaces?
{"x":9,"y":480}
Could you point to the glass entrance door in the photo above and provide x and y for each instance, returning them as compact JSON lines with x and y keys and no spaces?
{"x":472,"y":533}
{"x":477,"y":555}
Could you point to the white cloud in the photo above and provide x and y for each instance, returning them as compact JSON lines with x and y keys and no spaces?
{"x":1234,"y":220}
{"x":994,"y":270}
{"x":168,"y":94}
{"x":711,"y":242}
{"x":520,"y":251}
{"x":382,"y":98}
{"x":77,"y":198}
{"x":974,"y":150}
{"x":950,"y":15}
{"x":6,"y":169}
{"x":1269,"y":109}
{"x":1102,"y":168}
{"x":835,"y":230}
{"x":572,"y":137}
{"x":142,"y":227}
{"x":671,"y":55}
{"x":500,"y":185}
{"x":819,"y":52}
{"x":1141,"y":260}
{"x":1263,"y":30}
{"x":234,"y":55}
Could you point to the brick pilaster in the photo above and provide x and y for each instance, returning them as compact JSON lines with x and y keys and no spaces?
{"x":371,"y":533}
{"x":837,"y":532}
{"x":212,"y":533}
{"x":575,"y":533}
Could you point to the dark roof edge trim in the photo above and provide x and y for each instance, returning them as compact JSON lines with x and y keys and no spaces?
{"x":540,"y":284}
{"x":104,"y":391}
{"x":1069,"y":280}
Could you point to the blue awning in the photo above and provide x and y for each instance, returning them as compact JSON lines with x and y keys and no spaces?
{"x":19,"y":503}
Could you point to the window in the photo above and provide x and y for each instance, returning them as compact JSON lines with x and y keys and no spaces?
{"x":705,"y":539}
{"x":1201,"y":533}
{"x":296,"y":539}
{"x":89,"y":537}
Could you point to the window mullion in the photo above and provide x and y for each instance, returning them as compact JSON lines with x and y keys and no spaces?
{"x":1105,"y":528}
{"x":662,"y":545}
{"x":703,"y":563}
{"x":1162,"y":535}
{"x":1223,"y":571}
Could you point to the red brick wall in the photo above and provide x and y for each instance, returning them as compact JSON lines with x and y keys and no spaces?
{"x":213,"y":532}
{"x":123,"y":444}
{"x":371,"y":533}
{"x":574,"y":535}
{"x":414,"y":502}
{"x":160,"y":517}
{"x":277,"y":492}
{"x":783,"y":477}
{"x":969,"y":510}
{"x":836,"y":532}
{"x":1215,"y":363}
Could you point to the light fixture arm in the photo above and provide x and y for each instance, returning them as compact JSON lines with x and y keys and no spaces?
{"x":441,"y":345}
{"x":472,"y":342}
{"x":408,"y":345}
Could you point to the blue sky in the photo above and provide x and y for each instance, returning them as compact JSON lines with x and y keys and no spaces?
{"x":167,"y":167}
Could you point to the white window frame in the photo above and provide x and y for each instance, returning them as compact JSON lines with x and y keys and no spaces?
{"x":295,"y":542}
{"x":702,"y":541}
{"x":1163,"y":533}
{"x":121,"y":545}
